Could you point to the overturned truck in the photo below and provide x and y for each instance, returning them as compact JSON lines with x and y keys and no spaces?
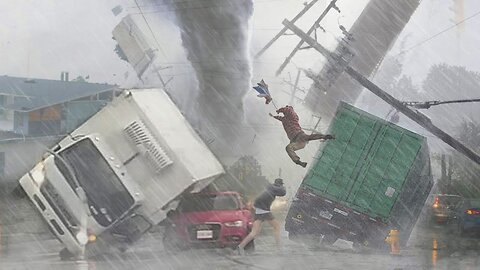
{"x":374,"y":178}
{"x":111,"y":179}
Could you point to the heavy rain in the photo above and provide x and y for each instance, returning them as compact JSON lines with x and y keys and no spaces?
{"x":240,"y":134}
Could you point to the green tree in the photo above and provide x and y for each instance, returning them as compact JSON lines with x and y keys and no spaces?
{"x":464,"y":173}
{"x":80,"y":79}
{"x":244,"y":176}
{"x":445,"y":82}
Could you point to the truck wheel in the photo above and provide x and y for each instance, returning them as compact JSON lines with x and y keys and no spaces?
{"x":64,"y":254}
{"x":19,"y":192}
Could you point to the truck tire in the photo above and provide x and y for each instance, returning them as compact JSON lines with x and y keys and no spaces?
{"x":18,"y":192}
{"x":65,"y":255}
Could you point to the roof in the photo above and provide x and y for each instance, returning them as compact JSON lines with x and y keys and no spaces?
{"x":33,"y":94}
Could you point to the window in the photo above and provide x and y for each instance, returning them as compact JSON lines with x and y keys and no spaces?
{"x":108,"y":198}
{"x":208,"y":202}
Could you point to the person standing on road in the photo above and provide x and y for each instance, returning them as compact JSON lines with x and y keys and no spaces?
{"x":298,"y":138}
{"x":262,"y":213}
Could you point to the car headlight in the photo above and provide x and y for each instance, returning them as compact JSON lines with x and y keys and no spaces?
{"x":82,"y":238}
{"x":237,"y":223}
{"x":38,"y":174}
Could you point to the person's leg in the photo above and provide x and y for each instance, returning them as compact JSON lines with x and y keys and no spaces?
{"x":256,"y":227}
{"x":317,"y":136}
{"x":294,"y":146}
{"x":276,"y":228}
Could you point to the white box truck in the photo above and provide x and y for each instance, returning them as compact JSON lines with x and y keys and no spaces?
{"x":112,"y":178}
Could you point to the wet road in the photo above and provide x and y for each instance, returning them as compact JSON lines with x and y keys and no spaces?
{"x":435,"y":247}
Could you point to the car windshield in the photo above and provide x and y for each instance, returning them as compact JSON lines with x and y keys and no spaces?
{"x":208,"y":202}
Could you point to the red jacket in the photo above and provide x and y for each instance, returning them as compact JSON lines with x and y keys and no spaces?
{"x":289,"y":121}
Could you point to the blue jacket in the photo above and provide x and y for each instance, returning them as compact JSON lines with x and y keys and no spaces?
{"x":264,"y":201}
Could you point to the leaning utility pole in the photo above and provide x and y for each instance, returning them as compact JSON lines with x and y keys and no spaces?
{"x":341,"y":63}
{"x":282,"y":32}
{"x":309,"y":32}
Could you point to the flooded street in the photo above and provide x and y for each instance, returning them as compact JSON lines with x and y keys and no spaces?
{"x":147,"y":134}
{"x":433,"y":247}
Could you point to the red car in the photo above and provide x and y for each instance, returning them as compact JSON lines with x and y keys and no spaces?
{"x":218,"y":219}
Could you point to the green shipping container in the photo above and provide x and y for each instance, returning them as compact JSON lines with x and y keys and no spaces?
{"x":373,"y":178}
{"x":370,"y":163}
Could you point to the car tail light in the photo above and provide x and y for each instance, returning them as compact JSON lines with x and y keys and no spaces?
{"x":436,"y":203}
{"x":472,"y":212}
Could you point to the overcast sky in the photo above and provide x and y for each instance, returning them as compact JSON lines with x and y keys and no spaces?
{"x":41,"y":38}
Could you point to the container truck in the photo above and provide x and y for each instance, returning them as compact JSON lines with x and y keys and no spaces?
{"x":111,"y":179}
{"x":374,"y":178}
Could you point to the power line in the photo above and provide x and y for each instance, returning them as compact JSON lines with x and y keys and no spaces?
{"x":428,"y":104}
{"x":196,"y":1}
{"x":439,"y":33}
{"x":151,"y":31}
{"x":194,"y":8}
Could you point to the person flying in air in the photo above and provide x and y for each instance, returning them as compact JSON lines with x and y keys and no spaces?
{"x":298,"y":138}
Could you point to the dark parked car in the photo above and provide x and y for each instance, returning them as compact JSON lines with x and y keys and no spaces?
{"x":442,"y":207}
{"x":219,"y":219}
{"x":468,"y":216}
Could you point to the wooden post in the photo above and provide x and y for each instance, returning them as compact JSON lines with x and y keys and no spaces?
{"x":309,"y":32}
{"x":316,"y":125}
{"x":416,"y":116}
{"x":304,"y":10}
{"x":294,"y":90}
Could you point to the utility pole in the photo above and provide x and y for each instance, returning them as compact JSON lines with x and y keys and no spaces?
{"x":316,"y":124}
{"x":282,"y":32}
{"x":294,"y":90}
{"x":419,"y":118}
{"x":309,"y":32}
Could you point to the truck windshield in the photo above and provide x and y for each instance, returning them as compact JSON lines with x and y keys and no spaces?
{"x":208,"y":202}
{"x":108,"y":199}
